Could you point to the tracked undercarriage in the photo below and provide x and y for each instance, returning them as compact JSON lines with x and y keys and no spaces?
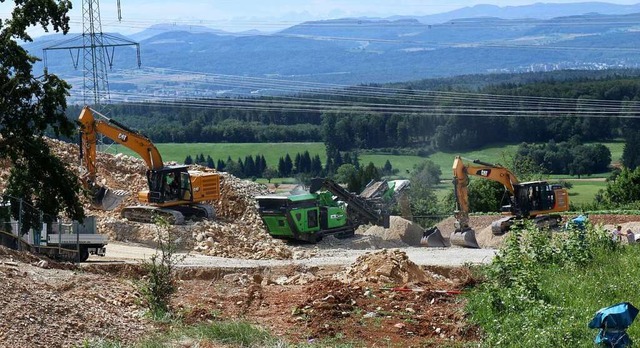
{"x":175,"y":215}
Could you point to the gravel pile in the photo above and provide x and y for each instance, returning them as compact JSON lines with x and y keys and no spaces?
{"x":385,"y":266}
{"x":400,"y":229}
{"x":64,"y":308}
{"x":237,"y":231}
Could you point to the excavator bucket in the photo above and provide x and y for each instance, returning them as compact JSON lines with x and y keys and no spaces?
{"x":107,"y":199}
{"x":433,"y":238}
{"x":466,"y":238}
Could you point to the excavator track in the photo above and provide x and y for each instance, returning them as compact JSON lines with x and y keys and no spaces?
{"x":148,"y":214}
{"x":175,"y":215}
{"x":503,"y":225}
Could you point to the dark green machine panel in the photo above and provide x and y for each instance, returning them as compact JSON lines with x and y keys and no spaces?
{"x":300,"y":217}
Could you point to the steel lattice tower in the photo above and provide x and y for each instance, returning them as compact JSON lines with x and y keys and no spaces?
{"x":95,"y":81}
{"x":97,"y":49}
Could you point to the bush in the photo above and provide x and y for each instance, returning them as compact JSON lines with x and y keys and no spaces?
{"x":522,"y":301}
{"x":158,"y":285}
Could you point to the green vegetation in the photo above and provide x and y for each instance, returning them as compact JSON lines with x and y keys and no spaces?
{"x":584,"y":192}
{"x":30,"y":105}
{"x":236,"y":333}
{"x":543,"y":288}
{"x":159,"y":284}
{"x":271,"y":151}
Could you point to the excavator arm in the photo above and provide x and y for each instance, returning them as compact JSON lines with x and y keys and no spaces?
{"x":90,"y":128}
{"x":463,"y":235}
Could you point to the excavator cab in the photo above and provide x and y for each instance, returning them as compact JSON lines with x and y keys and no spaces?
{"x":171,"y":183}
{"x":535,"y":198}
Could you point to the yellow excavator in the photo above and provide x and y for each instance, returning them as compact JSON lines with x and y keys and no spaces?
{"x":174,"y":192}
{"x":534,"y":200}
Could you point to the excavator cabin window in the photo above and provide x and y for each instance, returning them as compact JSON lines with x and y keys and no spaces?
{"x":171,"y":186}
{"x":185,"y":186}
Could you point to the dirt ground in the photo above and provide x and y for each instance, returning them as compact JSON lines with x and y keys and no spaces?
{"x":50,"y":304}
{"x":316,"y":307}
{"x":381,"y":299}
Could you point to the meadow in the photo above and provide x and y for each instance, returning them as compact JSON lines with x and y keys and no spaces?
{"x":584,"y":189}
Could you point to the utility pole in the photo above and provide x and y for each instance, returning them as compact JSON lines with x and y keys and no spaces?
{"x":97,"y":50}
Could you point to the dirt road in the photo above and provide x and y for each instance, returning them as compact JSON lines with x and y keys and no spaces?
{"x":119,"y":252}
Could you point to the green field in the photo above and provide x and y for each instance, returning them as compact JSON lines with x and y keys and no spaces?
{"x":582,"y":192}
{"x":177,"y":152}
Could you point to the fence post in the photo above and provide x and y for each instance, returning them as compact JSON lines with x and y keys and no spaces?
{"x":77,"y":238}
{"x":59,"y":238}
{"x":19,"y":231}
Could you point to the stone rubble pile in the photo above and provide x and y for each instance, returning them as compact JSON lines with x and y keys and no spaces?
{"x":384,"y":266}
{"x":66,"y":308}
{"x":237,"y":230}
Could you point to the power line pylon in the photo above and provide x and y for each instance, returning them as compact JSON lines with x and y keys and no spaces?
{"x":97,"y":49}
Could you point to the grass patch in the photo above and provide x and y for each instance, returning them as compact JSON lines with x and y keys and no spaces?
{"x":543,"y":289}
{"x":584,"y":192}
{"x":235,"y":333}
{"x":271,"y":151}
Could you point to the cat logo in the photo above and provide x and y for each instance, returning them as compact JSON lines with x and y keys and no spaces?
{"x":483,"y":172}
{"x":122,"y":137}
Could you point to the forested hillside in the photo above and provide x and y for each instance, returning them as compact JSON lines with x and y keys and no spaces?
{"x":461,"y":114}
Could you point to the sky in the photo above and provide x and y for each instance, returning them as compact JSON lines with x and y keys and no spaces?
{"x":264,"y":15}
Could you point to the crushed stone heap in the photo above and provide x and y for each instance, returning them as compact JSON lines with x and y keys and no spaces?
{"x":384,"y":266}
{"x":400,"y":229}
{"x":237,"y":230}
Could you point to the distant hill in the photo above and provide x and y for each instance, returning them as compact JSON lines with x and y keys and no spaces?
{"x":537,"y":11}
{"x":193,"y":61}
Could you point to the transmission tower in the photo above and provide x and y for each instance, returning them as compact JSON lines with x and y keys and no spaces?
{"x":97,"y":50}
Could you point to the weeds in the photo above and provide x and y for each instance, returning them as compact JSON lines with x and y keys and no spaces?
{"x":158,"y":285}
{"x":542,"y":288}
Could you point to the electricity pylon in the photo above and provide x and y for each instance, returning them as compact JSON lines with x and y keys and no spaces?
{"x":97,"y":49}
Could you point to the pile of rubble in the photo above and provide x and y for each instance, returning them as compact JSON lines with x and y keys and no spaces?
{"x":236,"y":232}
{"x":64,"y":308}
{"x":400,"y":229}
{"x":385,"y":266}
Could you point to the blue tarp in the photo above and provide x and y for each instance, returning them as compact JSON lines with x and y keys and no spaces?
{"x":612,"y":322}
{"x":579,"y":222}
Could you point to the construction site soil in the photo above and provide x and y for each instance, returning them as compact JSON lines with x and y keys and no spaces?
{"x":380,"y":299}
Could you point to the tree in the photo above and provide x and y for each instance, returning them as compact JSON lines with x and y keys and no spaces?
{"x":631,"y":151}
{"x":345,"y":172}
{"x":425,"y":173}
{"x":387,"y":169}
{"x":188,"y":160}
{"x":29,"y":106}
{"x":234,"y":168}
{"x":282,"y":168}
{"x":288,"y":165}
{"x":249,"y":166}
{"x":269,"y":173}
{"x":316,"y":165}
{"x":210,"y":162}
{"x":220,"y":166}
{"x":201,"y":160}
{"x":624,"y":188}
{"x":424,"y":177}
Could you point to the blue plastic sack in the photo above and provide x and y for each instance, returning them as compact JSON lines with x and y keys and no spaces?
{"x":612,"y":322}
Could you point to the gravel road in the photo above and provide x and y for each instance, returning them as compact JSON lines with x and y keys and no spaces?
{"x":119,"y":252}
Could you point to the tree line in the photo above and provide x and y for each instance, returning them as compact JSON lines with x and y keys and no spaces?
{"x":447,"y":126}
{"x":567,"y":157}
